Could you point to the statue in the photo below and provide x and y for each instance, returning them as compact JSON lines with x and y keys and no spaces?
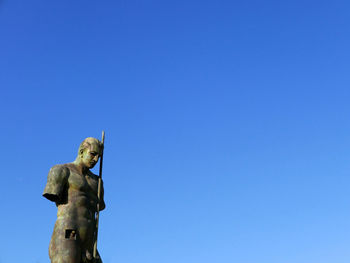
{"x":76,"y":191}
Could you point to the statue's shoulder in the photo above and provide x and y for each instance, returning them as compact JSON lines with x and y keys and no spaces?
{"x":92,"y":175}
{"x":61,"y":169}
{"x":56,"y":181}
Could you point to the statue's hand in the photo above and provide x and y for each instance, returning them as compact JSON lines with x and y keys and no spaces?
{"x":90,"y":259}
{"x":88,"y":255}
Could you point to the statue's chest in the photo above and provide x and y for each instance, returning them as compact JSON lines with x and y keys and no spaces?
{"x":82,"y":183}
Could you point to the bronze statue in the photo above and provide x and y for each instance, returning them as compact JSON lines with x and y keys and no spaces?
{"x":78,"y":194}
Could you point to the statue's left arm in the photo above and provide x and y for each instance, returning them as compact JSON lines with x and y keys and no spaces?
{"x":102,"y":202}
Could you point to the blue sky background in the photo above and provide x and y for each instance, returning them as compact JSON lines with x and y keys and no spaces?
{"x":227,"y":126}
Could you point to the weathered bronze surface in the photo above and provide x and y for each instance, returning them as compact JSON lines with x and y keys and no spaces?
{"x":73,"y":187}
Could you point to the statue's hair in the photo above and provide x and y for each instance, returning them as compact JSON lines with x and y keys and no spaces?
{"x":87,"y":144}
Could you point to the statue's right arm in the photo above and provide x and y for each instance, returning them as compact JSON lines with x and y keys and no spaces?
{"x":57,"y":180}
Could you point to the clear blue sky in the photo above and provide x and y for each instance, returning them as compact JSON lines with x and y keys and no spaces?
{"x":227,"y":126}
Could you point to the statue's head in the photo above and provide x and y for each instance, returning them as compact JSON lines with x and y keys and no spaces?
{"x":89,"y":152}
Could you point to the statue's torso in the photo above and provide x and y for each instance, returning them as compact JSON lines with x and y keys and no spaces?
{"x":78,"y":212}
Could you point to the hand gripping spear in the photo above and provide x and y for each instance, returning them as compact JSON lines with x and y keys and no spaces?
{"x":99,"y":196}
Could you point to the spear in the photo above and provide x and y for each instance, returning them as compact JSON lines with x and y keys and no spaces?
{"x":99,"y":195}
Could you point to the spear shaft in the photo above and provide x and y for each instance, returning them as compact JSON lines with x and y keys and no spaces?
{"x":99,"y":196}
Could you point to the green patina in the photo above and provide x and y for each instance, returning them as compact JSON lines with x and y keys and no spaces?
{"x":73,"y":187}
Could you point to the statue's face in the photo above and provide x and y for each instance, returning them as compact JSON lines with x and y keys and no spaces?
{"x":90,"y":156}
